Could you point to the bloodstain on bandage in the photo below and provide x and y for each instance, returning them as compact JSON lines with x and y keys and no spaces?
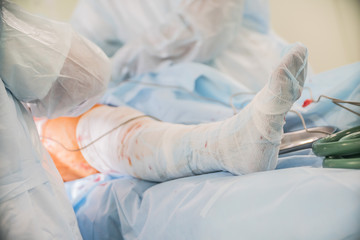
{"x":129,"y":160}
{"x":130,"y":130}
{"x":206,"y":144}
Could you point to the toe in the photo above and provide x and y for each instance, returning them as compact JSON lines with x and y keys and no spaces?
{"x":295,"y":63}
{"x":287,"y":80}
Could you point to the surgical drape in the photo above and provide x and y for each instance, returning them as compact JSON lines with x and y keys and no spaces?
{"x":49,"y":70}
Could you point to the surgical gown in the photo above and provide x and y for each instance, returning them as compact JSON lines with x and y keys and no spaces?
{"x":232,"y":36}
{"x":46,"y":70}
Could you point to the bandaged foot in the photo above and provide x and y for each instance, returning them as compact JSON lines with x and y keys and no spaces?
{"x":158,"y":151}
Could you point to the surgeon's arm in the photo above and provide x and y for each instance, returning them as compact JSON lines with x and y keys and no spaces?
{"x":196,"y":31}
{"x":47,"y":65}
{"x":193,"y":30}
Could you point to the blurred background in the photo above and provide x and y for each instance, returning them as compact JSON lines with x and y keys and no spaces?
{"x":329,"y":28}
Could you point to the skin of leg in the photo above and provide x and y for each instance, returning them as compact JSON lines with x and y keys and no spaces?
{"x":70,"y":164}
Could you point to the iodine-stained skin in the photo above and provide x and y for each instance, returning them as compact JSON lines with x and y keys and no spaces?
{"x":70,"y":164}
{"x":159,"y":151}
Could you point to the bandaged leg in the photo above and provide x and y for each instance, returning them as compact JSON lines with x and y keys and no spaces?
{"x":158,"y":151}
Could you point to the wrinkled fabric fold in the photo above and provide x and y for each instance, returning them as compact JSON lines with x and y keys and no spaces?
{"x":41,"y":52}
{"x":47,"y":70}
{"x":232,"y":36}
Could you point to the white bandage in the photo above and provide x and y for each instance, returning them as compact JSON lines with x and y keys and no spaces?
{"x":157,"y":151}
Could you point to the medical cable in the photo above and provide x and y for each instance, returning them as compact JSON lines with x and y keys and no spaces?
{"x":231,"y":98}
{"x":100,"y":137}
{"x":231,"y":104}
{"x":304,"y":124}
{"x":335,"y":101}
{"x":306,"y":103}
{"x":141,"y":116}
{"x":291,"y":110}
{"x":341,"y":150}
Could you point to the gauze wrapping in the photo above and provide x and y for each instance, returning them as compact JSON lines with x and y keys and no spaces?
{"x":157,"y":151}
{"x":46,"y":64}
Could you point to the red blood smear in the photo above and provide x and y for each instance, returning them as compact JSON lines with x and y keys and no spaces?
{"x":307,"y":102}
